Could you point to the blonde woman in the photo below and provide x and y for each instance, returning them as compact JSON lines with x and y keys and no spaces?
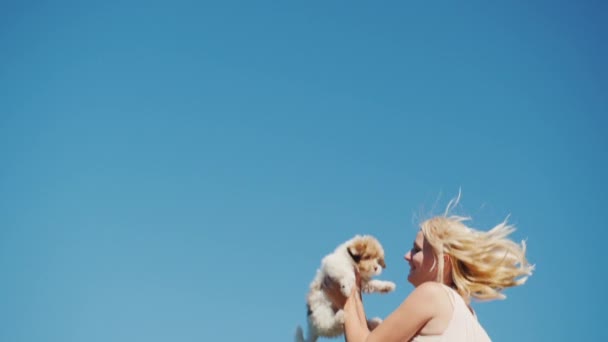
{"x":450,"y":264}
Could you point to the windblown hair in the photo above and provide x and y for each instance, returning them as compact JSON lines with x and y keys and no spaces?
{"x":483,"y":262}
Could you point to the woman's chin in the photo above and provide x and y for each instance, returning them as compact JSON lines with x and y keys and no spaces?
{"x":412,"y":279}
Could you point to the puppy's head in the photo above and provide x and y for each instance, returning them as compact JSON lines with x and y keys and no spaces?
{"x":368,"y":255}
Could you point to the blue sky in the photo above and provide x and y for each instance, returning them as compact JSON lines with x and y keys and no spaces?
{"x":174,"y":171}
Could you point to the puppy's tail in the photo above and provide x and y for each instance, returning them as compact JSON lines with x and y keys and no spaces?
{"x":299,"y":334}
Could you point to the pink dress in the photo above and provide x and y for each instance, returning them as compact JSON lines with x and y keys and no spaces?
{"x":463,"y":326}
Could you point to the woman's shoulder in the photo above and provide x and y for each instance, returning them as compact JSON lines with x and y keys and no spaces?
{"x":436,"y":295}
{"x":426,"y":297}
{"x":433,"y":294}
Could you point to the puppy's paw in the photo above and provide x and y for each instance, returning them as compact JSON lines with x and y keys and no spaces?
{"x":340,"y":316}
{"x":379,"y":286}
{"x":346,"y":287}
{"x":387,"y":287}
{"x":367,"y":288}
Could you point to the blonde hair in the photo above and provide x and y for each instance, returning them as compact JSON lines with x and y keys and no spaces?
{"x":483,"y":262}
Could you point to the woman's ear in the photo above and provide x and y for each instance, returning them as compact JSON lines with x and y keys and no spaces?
{"x":447,"y":263}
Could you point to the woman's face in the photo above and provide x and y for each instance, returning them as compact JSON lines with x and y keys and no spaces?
{"x":422,"y":261}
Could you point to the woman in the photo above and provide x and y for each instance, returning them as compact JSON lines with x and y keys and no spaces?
{"x":450,"y":263}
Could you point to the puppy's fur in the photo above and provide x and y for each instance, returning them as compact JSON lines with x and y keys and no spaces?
{"x":367,"y":255}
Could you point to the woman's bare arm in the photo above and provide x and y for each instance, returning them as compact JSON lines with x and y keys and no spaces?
{"x":355,"y":322}
{"x":401,"y":325}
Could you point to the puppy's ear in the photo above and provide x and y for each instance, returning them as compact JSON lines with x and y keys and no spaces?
{"x":354,"y":253}
{"x":357,"y":250}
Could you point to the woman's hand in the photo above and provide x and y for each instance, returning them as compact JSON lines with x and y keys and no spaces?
{"x":334,"y":293}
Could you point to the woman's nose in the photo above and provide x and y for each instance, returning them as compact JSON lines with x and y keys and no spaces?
{"x":407,"y":256}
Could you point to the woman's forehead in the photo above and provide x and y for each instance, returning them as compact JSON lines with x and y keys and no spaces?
{"x":419,"y":238}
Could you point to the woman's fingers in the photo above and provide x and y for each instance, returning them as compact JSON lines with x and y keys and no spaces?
{"x":357,"y":278}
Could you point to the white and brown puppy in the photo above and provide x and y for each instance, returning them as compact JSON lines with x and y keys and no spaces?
{"x":367,"y":255}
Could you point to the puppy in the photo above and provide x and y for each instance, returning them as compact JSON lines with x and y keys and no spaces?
{"x":367,"y":255}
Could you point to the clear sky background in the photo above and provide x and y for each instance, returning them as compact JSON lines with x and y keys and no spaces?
{"x":175,"y":171}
